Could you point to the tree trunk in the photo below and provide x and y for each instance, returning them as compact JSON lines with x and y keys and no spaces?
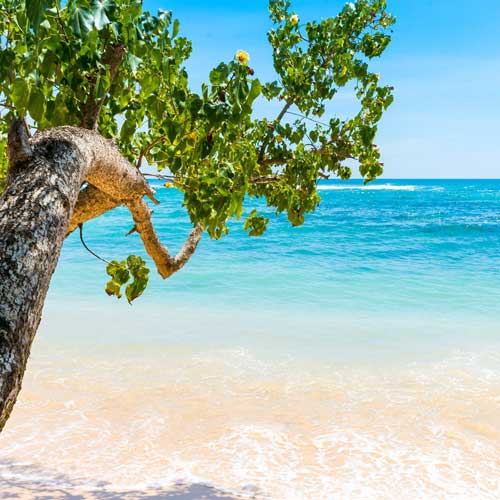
{"x":35,"y":210}
{"x":36,"y":207}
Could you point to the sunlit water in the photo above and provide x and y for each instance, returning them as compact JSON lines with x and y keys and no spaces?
{"x":357,"y":356}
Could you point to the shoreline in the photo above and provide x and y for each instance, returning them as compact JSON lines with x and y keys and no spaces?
{"x":152,"y":428}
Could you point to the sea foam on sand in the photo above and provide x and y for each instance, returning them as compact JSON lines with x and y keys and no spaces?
{"x":144,"y":422}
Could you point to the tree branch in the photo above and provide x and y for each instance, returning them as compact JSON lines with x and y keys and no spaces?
{"x":61,"y":24}
{"x":274,"y":161}
{"x":287,"y":106}
{"x":165,"y":263}
{"x":265,"y":179}
{"x":282,"y":113}
{"x":18,"y":145}
{"x":112,"y":57}
{"x":113,"y":180}
{"x":91,"y":203}
{"x":7,"y":106}
{"x":147,"y":149}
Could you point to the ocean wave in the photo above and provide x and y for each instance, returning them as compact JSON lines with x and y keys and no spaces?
{"x":376,"y":187}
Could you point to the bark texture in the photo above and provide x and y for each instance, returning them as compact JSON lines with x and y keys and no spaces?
{"x":41,"y":203}
{"x":166,"y":264}
{"x":91,"y":203}
{"x":42,"y":187}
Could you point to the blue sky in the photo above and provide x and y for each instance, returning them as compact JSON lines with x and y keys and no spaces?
{"x":444,"y":63}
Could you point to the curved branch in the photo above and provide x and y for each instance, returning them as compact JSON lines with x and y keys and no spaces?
{"x":147,"y":149}
{"x":165,"y":263}
{"x":113,"y":181}
{"x":89,"y":250}
{"x":91,"y":203}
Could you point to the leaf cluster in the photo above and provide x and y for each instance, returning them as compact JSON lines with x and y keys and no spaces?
{"x":56,"y":63}
{"x":131,"y":272}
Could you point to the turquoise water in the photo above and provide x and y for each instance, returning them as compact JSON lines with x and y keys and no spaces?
{"x":392,"y":245}
{"x":357,"y":356}
{"x":397,"y":266}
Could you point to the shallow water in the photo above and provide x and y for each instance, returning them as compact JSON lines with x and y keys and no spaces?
{"x":355,"y":357}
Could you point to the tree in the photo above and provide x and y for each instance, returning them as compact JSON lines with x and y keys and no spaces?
{"x":104,"y":86}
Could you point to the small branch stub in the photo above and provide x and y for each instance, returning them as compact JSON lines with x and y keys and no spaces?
{"x":18,"y":143}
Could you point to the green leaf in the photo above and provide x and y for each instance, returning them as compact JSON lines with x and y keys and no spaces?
{"x":253,"y":93}
{"x":112,"y":288}
{"x":175,"y":28}
{"x":35,"y":10}
{"x":99,"y":10}
{"x":20,"y":94}
{"x":165,"y":16}
{"x":255,"y":224}
{"x":119,"y":276}
{"x":367,"y":135}
{"x":81,"y":21}
{"x":121,"y":273}
{"x":36,"y":104}
{"x":133,"y":62}
{"x":140,"y":274}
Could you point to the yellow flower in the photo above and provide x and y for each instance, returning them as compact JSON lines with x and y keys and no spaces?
{"x":242,"y":57}
{"x":294,"y":19}
{"x":279,"y":138}
{"x":169,"y":184}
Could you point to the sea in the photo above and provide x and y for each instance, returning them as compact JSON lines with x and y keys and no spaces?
{"x":354,"y":357}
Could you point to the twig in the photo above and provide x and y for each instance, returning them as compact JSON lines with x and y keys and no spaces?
{"x":7,"y":106}
{"x":87,"y":248}
{"x":132,"y":231}
{"x":274,"y":161}
{"x":287,"y":106}
{"x":307,"y":118}
{"x":160,"y":176}
{"x":61,"y":24}
{"x":148,"y":148}
{"x":265,"y":180}
{"x":282,"y":113}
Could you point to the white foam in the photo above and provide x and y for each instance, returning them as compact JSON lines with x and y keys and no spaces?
{"x":375,"y":187}
{"x":244,"y":424}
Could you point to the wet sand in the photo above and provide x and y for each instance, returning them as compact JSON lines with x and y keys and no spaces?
{"x":215,"y":426}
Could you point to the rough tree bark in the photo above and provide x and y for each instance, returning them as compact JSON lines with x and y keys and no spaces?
{"x":43,"y":202}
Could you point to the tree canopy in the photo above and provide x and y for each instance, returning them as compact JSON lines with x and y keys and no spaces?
{"x":111,"y":66}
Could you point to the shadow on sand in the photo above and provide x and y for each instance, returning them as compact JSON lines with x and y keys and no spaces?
{"x":34,"y":491}
{"x":16,"y":484}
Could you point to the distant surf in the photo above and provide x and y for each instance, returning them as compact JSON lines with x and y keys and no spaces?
{"x":370,"y":187}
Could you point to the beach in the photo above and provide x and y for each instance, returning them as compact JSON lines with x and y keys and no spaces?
{"x":355,"y":357}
